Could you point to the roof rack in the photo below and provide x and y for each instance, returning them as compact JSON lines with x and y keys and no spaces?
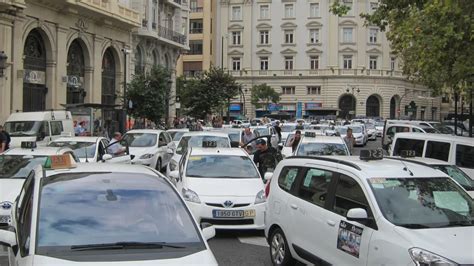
{"x":407,"y":160}
{"x":327,"y":159}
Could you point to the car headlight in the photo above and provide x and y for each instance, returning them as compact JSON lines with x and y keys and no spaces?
{"x":173,"y":165}
{"x":190,"y":195}
{"x":147,"y":156}
{"x":423,"y":257}
{"x":260,"y":198}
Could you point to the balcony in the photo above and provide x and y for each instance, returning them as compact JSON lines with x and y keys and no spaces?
{"x":175,"y":3}
{"x":196,"y":9}
{"x":195,"y":31}
{"x":318,"y":72}
{"x":171,"y":35}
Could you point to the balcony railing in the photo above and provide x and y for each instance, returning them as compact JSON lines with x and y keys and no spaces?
{"x":195,"y":31}
{"x":318,"y":72}
{"x":171,"y":35}
{"x":198,"y":9}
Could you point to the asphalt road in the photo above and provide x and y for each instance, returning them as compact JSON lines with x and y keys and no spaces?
{"x":237,"y":247}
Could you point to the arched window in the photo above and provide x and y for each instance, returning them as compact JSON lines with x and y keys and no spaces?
{"x":34,"y":81}
{"x":75,"y":73}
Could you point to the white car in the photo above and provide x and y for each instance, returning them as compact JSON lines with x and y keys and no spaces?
{"x":371,"y":131}
{"x":90,"y":149}
{"x":15,"y":166}
{"x":222,"y":187}
{"x":93,"y":215}
{"x":150,"y":147}
{"x":312,"y":144}
{"x":176,"y":134}
{"x":379,"y":128}
{"x":348,"y":210}
{"x":266,"y":131}
{"x":196,"y":139}
{"x":357,"y":132}
{"x":286,"y":129}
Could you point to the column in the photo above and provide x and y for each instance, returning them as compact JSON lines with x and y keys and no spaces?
{"x":6,"y":35}
{"x":96,"y":88}
{"x":60,"y":94}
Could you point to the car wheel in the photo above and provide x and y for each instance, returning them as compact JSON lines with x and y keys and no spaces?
{"x":158,"y":165}
{"x":279,"y":250}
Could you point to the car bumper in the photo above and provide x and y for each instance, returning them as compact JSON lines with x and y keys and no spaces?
{"x":146,"y":162}
{"x":203,"y":213}
{"x":360,"y":141}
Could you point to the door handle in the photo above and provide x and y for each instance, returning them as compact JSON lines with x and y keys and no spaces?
{"x":294,"y":207}
{"x":331,"y":223}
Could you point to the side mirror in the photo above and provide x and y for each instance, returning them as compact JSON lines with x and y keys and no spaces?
{"x":174,"y":175}
{"x":209,"y":232}
{"x":7,"y":238}
{"x":170,"y":151}
{"x":357,"y":215}
{"x":268,"y":176}
{"x":106,"y":157}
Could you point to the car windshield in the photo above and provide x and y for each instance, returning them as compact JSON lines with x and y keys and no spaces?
{"x":288,"y":128}
{"x":234,"y":136}
{"x":457,"y":174}
{"x":100,"y":208}
{"x":80,"y":149}
{"x":19,"y":166}
{"x":261,"y":131}
{"x":356,"y":129}
{"x":423,"y":202}
{"x":316,"y":149}
{"x":23,"y":128}
{"x":221,"y":166}
{"x":196,"y":141}
{"x":176,"y":135}
{"x":140,"y":139}
{"x":289,"y":139}
{"x":342,"y":130}
{"x":430,"y":130}
{"x":370,"y":126}
{"x":379,"y":124}
{"x":444,"y":129}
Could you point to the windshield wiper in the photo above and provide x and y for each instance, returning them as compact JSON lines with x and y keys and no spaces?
{"x":461,"y":223}
{"x":414,"y":226}
{"x":124,"y":245}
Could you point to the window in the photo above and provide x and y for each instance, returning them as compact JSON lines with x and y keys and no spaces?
{"x":437,"y":150}
{"x":392,"y":63}
{"x":314,"y":90}
{"x":373,"y":62}
{"x":287,"y":178}
{"x":195,"y":26}
{"x":373,"y":35}
{"x":236,"y":14}
{"x":288,"y":36}
{"x":314,"y":187}
{"x":288,"y":90}
{"x":465,"y":156}
{"x":347,"y":35}
{"x":347,"y":61}
{"x":289,"y":11}
{"x":264,"y":12}
{"x":195,"y":47}
{"x":314,"y":35}
{"x":349,"y":195}
{"x":350,"y":5}
{"x":264,"y":63}
{"x":56,"y":128}
{"x":264,"y":37}
{"x":314,"y":62}
{"x":395,"y":129}
{"x":24,"y":216}
{"x":236,"y":40}
{"x":409,"y":144}
{"x":288,"y":62}
{"x":314,"y":10}
{"x":235,"y":63}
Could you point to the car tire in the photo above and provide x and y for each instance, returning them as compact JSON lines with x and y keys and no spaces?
{"x":279,"y":250}
{"x":158,"y":165}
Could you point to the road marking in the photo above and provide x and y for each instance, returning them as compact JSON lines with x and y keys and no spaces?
{"x":254,"y":240}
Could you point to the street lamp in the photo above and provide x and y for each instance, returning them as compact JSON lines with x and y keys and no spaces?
{"x":125,"y":103}
{"x":242,"y":96}
{"x":353,"y":102}
{"x":3,"y":63}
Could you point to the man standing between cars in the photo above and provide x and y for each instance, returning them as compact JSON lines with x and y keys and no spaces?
{"x":4,"y":140}
{"x":247,"y":136}
{"x":295,"y":141}
{"x":116,"y":149}
{"x":349,"y":140}
{"x":265,"y":157}
{"x":278,"y":130}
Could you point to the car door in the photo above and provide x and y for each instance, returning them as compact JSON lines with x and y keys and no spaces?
{"x":124,"y":159}
{"x":163,"y":148}
{"x":308,"y":211}
{"x":171,"y":147}
{"x":348,"y":240}
{"x":274,"y":139}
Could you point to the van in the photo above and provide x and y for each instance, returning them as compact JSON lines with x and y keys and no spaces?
{"x":421,"y":123}
{"x":41,"y":127}
{"x":455,"y":150}
{"x":391,"y":129}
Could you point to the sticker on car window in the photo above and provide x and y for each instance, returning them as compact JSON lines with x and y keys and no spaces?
{"x":349,"y":238}
{"x":195,"y":158}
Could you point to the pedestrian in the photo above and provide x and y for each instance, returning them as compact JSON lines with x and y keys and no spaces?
{"x":278,"y":130}
{"x":346,"y":122}
{"x":350,"y":140}
{"x":115,"y":148}
{"x":247,"y":136}
{"x":4,"y":139}
{"x":295,"y":141}
{"x":266,"y":158}
{"x":300,"y":125}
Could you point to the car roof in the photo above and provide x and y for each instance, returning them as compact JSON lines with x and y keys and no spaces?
{"x":384,"y":168}
{"x":38,"y":151}
{"x":205,"y":133}
{"x":78,"y":139}
{"x":429,"y":161}
{"x":178,"y":130}
{"x":153,"y":131}
{"x":322,"y":139}
{"x":434,"y":136}
{"x":218,"y":151}
{"x":103,"y":168}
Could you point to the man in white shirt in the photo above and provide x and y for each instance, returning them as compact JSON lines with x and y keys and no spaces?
{"x":116,"y":149}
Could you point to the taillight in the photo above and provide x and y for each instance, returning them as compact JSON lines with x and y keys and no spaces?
{"x":267,"y":188}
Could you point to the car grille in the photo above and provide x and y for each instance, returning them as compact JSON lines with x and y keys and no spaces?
{"x":220,"y":205}
{"x":228,"y":221}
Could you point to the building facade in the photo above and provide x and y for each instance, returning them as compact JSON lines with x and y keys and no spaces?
{"x":321,"y":64}
{"x":200,"y":56}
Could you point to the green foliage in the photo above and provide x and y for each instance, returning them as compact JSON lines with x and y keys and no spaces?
{"x":207,"y":94}
{"x":264,"y":93}
{"x":149,"y":93}
{"x":339,"y":9}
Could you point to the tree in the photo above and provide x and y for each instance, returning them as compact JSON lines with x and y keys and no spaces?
{"x":264,"y":93}
{"x":149,"y":93}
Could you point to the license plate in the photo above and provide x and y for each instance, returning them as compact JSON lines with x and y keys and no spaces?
{"x":233,"y":213}
{"x":5,"y":219}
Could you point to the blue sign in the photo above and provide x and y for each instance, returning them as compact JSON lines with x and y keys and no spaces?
{"x":273,"y":107}
{"x":299,"y":110}
{"x":234,"y":107}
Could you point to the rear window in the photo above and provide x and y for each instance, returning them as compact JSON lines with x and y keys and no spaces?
{"x":465,"y":156}
{"x":437,"y":150}
{"x":409,"y":144}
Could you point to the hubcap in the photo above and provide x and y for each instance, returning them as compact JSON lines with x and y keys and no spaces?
{"x":278,"y":249}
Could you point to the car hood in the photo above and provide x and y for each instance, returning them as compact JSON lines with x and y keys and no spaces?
{"x":225,"y":186}
{"x":453,"y":243}
{"x":10,"y":189}
{"x":357,"y":135}
{"x":204,"y":257}
{"x":140,"y":151}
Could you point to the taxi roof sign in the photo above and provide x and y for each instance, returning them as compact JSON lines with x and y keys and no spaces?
{"x":310,"y":134}
{"x":28,"y":144}
{"x":370,"y":155}
{"x":63,"y":161}
{"x":407,"y":153}
{"x":209,"y":144}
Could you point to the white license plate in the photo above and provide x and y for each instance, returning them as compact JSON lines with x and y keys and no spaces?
{"x":233,"y":213}
{"x":5,"y":219}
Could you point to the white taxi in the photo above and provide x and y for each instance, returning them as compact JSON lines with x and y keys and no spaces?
{"x":346,"y":210}
{"x":222,"y":187}
{"x":15,"y":166}
{"x":318,"y":145}
{"x":93,"y":215}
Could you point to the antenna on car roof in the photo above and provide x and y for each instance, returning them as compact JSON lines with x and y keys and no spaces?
{"x":87,"y":159}
{"x":405,"y":168}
